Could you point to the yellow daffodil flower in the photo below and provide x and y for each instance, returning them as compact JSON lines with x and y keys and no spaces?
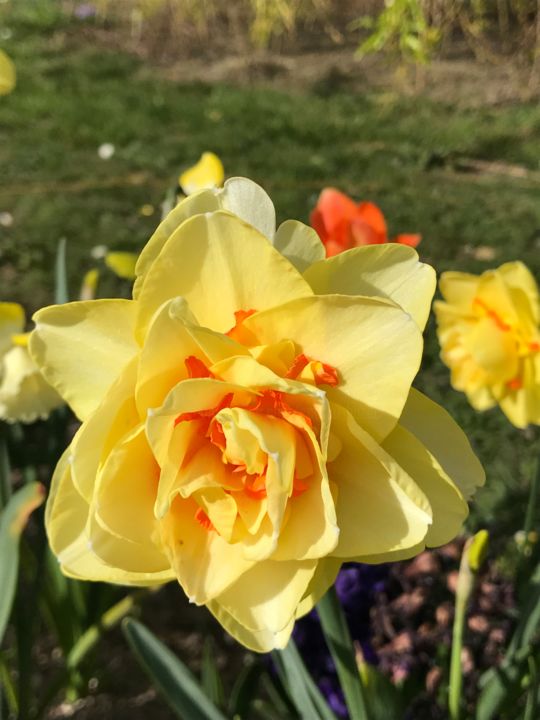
{"x":89,"y":284}
{"x":25,"y":396}
{"x":122,"y":264}
{"x":248,"y":418}
{"x":489,"y":331}
{"x":207,"y":173}
{"x":7,"y":74}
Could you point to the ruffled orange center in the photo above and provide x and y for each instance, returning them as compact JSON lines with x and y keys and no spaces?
{"x":248,"y":432}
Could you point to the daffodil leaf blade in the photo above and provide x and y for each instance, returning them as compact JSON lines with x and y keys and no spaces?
{"x":169,"y":675}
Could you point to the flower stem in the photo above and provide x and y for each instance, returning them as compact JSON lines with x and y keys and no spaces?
{"x":339,"y":642}
{"x":471,"y":560}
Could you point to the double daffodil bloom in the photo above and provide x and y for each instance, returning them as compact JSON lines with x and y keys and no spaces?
{"x":7,"y":74}
{"x":25,"y":396}
{"x":206,"y":174}
{"x":489,"y":330}
{"x":248,"y":418}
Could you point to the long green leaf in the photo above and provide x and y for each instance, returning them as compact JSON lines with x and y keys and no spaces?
{"x":244,"y":689}
{"x":61,"y":292}
{"x":5,"y":470}
{"x":305,"y":694}
{"x":210,"y":677}
{"x":341,"y":648}
{"x":169,"y":675}
{"x":12,"y":522}
{"x":499,"y":684}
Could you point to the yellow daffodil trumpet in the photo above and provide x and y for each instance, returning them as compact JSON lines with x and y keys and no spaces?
{"x":248,"y":421}
{"x":489,"y":331}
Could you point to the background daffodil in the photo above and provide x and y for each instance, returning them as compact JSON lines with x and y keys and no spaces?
{"x":248,"y":421}
{"x":7,"y":74}
{"x":25,"y":395}
{"x":489,"y":331}
{"x":207,"y":173}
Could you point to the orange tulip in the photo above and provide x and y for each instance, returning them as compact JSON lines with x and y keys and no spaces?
{"x":343,"y":224}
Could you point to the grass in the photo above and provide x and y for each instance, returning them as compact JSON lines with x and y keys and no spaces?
{"x":73,"y":95}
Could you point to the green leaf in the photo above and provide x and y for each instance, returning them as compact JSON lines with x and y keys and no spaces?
{"x":244,"y":689}
{"x":304,"y":693}
{"x":341,"y":648}
{"x":501,"y":684}
{"x":61,"y":292}
{"x":5,"y":470}
{"x":169,"y":675}
{"x":210,"y":677}
{"x":12,"y":522}
{"x":384,"y":699}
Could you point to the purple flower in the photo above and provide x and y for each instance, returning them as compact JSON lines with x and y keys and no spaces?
{"x":356,"y":586}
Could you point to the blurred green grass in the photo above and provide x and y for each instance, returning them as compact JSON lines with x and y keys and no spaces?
{"x":73,"y":95}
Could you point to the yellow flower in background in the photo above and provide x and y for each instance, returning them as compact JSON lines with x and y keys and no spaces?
{"x":489,"y":331}
{"x":207,"y":173}
{"x":89,"y":284}
{"x":248,"y":418}
{"x":122,"y":264}
{"x":7,"y":74}
{"x":25,"y":396}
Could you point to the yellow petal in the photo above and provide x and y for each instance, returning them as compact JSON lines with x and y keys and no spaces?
{"x":447,"y":504}
{"x":380,"y":509}
{"x":259,"y":609}
{"x":520,"y":279}
{"x":172,"y":337}
{"x":459,"y":289}
{"x":25,"y":395}
{"x":522,"y":406}
{"x":201,"y":202}
{"x":204,"y":563}
{"x":374,"y":345}
{"x":89,"y":285}
{"x":11,"y":322}
{"x":126,"y":490}
{"x":299,"y":243}
{"x":433,"y":426}
{"x":122,"y":264}
{"x":323,"y":579}
{"x":311,"y":530}
{"x":167,"y":440}
{"x":109,"y":423}
{"x":81,"y":347}
{"x":247,"y":200}
{"x":493,"y":350}
{"x":388,"y":270}
{"x":7,"y":74}
{"x":66,"y":516}
{"x":240,"y":196}
{"x":220,"y":265}
{"x":207,"y":173}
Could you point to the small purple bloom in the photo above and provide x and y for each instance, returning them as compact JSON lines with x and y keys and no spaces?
{"x":356,"y":586}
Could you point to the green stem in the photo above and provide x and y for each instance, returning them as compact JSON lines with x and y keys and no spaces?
{"x":87,"y":641}
{"x":8,"y":687}
{"x":473,"y":556}
{"x":456,"y":672}
{"x":339,"y":642}
{"x":107,"y":621}
{"x":531,"y":709}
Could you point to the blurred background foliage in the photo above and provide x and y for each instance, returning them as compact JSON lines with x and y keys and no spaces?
{"x":441,"y":129}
